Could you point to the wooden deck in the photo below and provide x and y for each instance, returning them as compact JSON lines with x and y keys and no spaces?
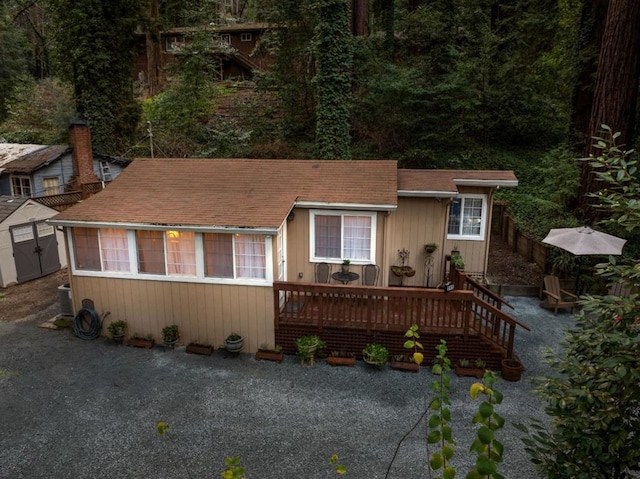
{"x":344,"y":311}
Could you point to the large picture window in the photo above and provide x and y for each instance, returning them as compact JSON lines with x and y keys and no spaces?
{"x":114,"y":250}
{"x":467,"y":218}
{"x":337,"y":236}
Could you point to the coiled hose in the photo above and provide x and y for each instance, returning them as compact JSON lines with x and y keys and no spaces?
{"x":87,"y":324}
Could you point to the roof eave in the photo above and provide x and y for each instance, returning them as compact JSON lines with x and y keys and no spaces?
{"x":346,"y":206}
{"x":485,"y":183}
{"x":266,"y":230}
{"x":428,"y":194}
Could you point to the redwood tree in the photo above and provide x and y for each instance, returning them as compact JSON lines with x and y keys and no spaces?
{"x":616,"y":87}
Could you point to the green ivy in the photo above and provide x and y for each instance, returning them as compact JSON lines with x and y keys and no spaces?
{"x":332,"y":47}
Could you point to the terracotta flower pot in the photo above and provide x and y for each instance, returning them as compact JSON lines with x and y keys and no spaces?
{"x":141,"y":343}
{"x":195,"y":348}
{"x":341,"y":361}
{"x":405,"y":366}
{"x":266,"y":355}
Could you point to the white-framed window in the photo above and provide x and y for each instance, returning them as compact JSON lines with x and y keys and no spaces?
{"x":163,"y":255}
{"x":239,"y":256}
{"x":51,"y":185}
{"x":21,"y":186}
{"x":467,"y":217}
{"x":22,"y":233}
{"x":339,"y":235}
{"x":174,"y":44}
{"x":225,"y":38}
{"x":245,"y":37}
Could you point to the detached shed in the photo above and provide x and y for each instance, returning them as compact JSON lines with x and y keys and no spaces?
{"x":29,"y":247}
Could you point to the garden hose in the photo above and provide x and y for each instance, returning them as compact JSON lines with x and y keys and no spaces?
{"x":87,"y":329}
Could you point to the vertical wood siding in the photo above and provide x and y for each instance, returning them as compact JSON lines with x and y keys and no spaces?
{"x":298,"y":253}
{"x":203,"y":312}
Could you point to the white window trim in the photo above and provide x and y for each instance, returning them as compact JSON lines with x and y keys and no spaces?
{"x":246,"y":37}
{"x":312,"y":235}
{"x":225,"y":38}
{"x":21,"y":177}
{"x":198,"y":278}
{"x":479,"y":237}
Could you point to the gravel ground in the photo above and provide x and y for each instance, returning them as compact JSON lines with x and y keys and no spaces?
{"x":82,"y":409}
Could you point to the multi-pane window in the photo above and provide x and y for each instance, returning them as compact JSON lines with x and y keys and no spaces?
{"x":467,"y":218}
{"x":21,"y":186}
{"x":235,"y":256}
{"x":245,"y":37}
{"x":171,"y":253}
{"x":339,"y":236}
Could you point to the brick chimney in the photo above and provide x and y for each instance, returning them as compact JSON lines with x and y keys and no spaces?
{"x":82,"y":154}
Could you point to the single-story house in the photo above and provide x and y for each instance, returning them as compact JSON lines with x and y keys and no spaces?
{"x":201,"y":242}
{"x":29,"y":247}
{"x":29,"y":171}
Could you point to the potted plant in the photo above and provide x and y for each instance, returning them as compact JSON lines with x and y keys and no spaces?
{"x":196,"y":347}
{"x":341,"y":358}
{"x":345,"y":265}
{"x":403,"y":270}
{"x":465,"y":368}
{"x":139,"y":341}
{"x":430,"y":248}
{"x":234,"y":343}
{"x":404,"y":362}
{"x":375,"y":354}
{"x":170,"y":335}
{"x":268,"y":353}
{"x":409,"y":362}
{"x":307,"y":347}
{"x":512,"y":369}
{"x":117,"y":329}
{"x":457,"y":261}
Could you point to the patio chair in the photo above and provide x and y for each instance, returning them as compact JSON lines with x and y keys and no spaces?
{"x":370,"y":273}
{"x":323,"y":272}
{"x":558,"y":298}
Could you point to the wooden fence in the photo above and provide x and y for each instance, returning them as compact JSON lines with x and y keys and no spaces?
{"x":531,"y":249}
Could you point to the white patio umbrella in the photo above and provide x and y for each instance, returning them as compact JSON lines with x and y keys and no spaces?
{"x":584,"y":241}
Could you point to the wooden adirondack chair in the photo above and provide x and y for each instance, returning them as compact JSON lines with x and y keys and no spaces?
{"x":558,"y":298}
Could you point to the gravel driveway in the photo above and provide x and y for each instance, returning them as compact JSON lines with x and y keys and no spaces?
{"x":82,"y":409}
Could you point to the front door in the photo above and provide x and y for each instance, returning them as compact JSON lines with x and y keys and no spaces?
{"x":35,"y":250}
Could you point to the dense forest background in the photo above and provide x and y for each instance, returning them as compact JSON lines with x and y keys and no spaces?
{"x":512,"y":84}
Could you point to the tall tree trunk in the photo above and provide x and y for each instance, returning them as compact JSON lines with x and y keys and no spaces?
{"x":360,"y":17}
{"x":592,"y":22}
{"x":616,"y":88}
{"x":152,"y":43}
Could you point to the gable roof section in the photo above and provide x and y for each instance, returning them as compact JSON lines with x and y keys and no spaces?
{"x":9,"y":204}
{"x":444,"y":183}
{"x":32,"y":161}
{"x":13,"y":151}
{"x":234,"y":193}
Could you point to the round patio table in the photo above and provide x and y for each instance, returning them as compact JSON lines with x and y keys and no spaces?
{"x":345,"y":278}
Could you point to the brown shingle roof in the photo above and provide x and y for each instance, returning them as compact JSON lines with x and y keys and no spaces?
{"x":234,"y":192}
{"x":32,"y":161}
{"x":441,"y":181}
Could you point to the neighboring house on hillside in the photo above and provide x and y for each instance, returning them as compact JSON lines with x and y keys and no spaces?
{"x":29,"y":247}
{"x":30,"y":171}
{"x":202,"y":242}
{"x":237,"y":51}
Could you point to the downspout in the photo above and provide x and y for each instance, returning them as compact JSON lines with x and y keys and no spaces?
{"x":488,"y":231}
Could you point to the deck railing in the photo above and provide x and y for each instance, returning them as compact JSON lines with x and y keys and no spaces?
{"x":373,"y":308}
